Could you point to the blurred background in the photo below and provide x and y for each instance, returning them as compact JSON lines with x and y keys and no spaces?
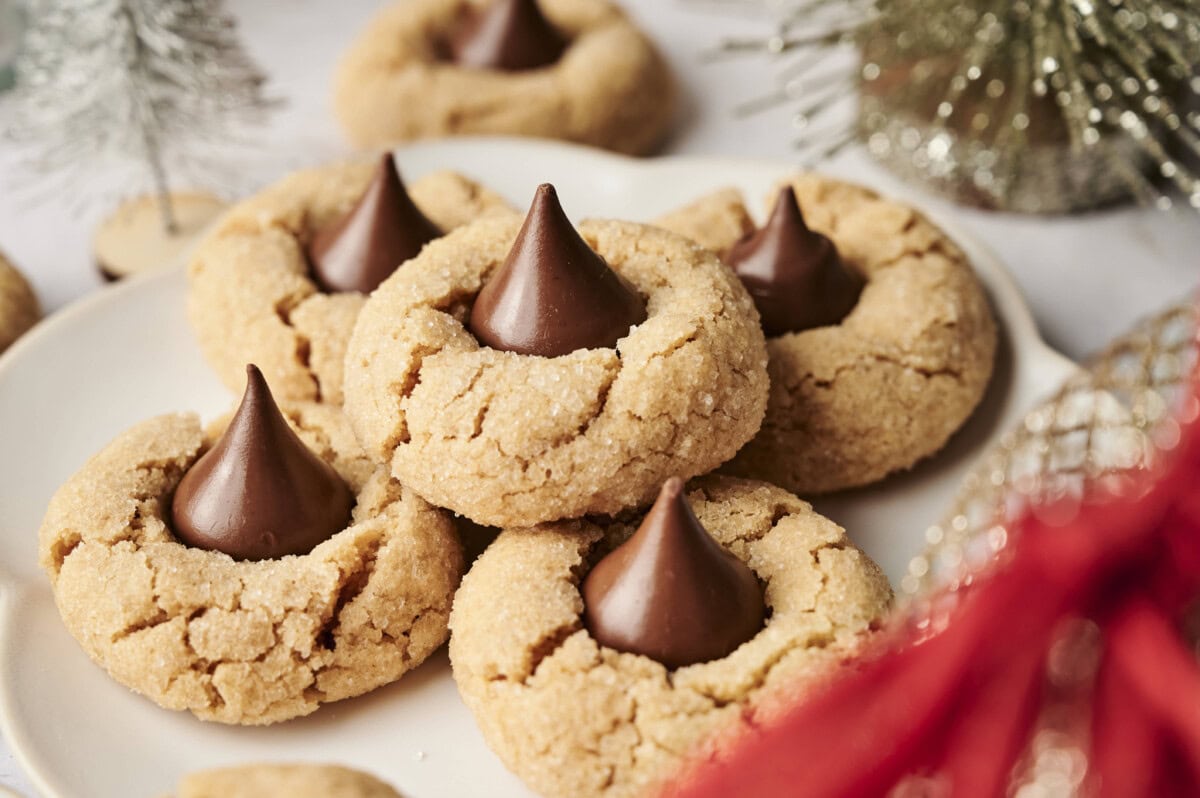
{"x":1087,"y":275}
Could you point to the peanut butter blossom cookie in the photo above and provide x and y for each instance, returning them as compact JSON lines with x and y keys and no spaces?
{"x":254,"y":579}
{"x":627,"y":644}
{"x":19,"y":308}
{"x":517,"y":373}
{"x":568,"y":69}
{"x":880,"y":337}
{"x":283,"y":781}
{"x":282,"y":278}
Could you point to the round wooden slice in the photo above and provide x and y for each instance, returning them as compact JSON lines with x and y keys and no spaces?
{"x":134,"y":239}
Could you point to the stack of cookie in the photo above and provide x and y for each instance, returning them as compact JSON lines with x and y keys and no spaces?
{"x":418,"y":364}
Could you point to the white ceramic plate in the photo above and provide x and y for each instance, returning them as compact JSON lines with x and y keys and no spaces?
{"x":127,"y":354}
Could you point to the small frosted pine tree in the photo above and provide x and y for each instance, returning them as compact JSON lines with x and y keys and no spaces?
{"x":161,"y":84}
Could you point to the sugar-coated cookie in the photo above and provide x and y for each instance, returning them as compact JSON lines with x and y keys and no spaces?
{"x":249,"y":642}
{"x":252,"y":297}
{"x":886,"y":387}
{"x":609,"y":88}
{"x":515,"y":439}
{"x":715,"y":221}
{"x":283,"y":781}
{"x":574,"y":718}
{"x":19,"y":308}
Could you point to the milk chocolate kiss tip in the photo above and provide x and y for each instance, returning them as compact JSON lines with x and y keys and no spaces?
{"x":508,"y":35}
{"x":383,"y":230}
{"x":795,"y":275}
{"x":671,"y":592}
{"x":553,"y":294}
{"x":259,"y":493}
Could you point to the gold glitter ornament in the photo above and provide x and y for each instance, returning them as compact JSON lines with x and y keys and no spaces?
{"x":1103,"y":426}
{"x":1033,"y":105}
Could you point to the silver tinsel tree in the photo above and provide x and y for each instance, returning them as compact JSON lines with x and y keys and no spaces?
{"x":12,"y":25}
{"x":110,"y":84}
{"x":1034,"y":105}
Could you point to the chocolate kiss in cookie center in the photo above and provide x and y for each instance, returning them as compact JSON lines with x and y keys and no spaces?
{"x":553,"y":294}
{"x":259,"y":493}
{"x":671,"y":592}
{"x":796,"y":277}
{"x":383,"y":230}
{"x":509,"y":35}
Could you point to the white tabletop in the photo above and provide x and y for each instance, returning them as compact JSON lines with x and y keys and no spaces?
{"x":1086,"y":277}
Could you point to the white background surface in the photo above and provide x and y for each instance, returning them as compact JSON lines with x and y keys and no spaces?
{"x":1087,"y":278}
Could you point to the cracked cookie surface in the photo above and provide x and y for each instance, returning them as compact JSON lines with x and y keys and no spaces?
{"x":245,"y":642}
{"x":609,"y":89}
{"x":508,"y":439}
{"x":890,"y":384}
{"x":250,"y":295}
{"x":574,"y":718}
{"x":19,"y":308}
{"x":283,"y":781}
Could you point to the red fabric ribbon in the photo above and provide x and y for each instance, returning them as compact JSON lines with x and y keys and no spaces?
{"x":962,"y":704}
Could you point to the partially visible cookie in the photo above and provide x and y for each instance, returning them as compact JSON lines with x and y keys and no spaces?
{"x":574,"y":718}
{"x":283,"y":781}
{"x":251,"y":296}
{"x":248,"y":642}
{"x":19,"y":308}
{"x":515,"y":439}
{"x":610,"y":88}
{"x":715,"y":221}
{"x":888,"y":386}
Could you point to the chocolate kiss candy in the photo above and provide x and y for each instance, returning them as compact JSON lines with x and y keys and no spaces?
{"x":795,"y":276}
{"x":553,"y":294}
{"x":509,"y":35}
{"x":671,"y":592}
{"x":259,"y":493}
{"x":382,"y":231}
